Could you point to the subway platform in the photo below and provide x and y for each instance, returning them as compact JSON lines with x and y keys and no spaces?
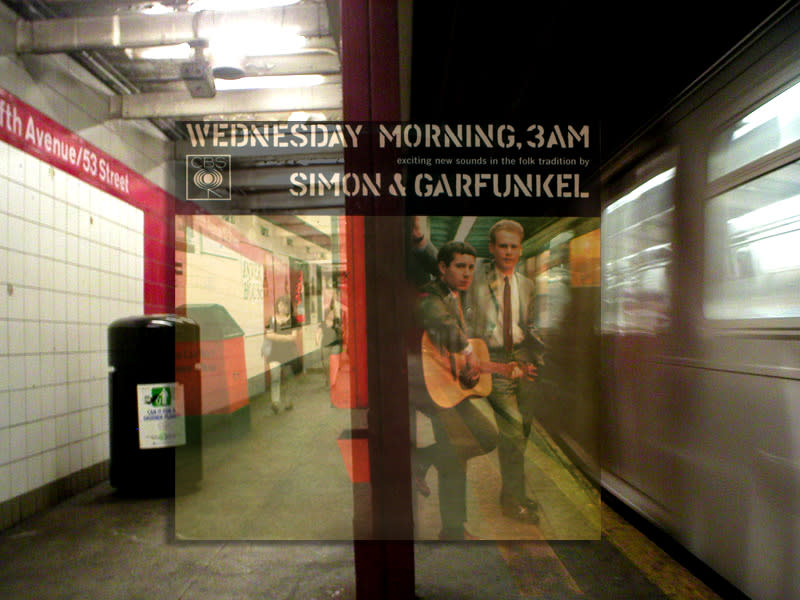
{"x":248,"y":532}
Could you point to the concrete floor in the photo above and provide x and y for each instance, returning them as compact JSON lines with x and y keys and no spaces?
{"x":284,"y":480}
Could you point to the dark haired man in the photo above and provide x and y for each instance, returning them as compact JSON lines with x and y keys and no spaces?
{"x":503,"y":317}
{"x":462,"y":431}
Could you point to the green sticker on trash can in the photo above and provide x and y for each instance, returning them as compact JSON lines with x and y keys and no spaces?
{"x":162,"y":423}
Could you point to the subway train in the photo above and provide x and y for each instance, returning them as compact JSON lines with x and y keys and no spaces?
{"x":694,"y":416}
{"x":700,"y":316}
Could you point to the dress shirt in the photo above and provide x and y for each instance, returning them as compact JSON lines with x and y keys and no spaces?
{"x":517,"y":333}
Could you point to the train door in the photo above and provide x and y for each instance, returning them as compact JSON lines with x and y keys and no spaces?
{"x":751,"y":315}
{"x":638,"y":225}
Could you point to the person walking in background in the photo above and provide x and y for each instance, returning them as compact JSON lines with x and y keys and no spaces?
{"x":279,"y":349}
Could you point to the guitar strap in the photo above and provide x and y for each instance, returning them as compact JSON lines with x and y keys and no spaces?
{"x":460,"y":311}
{"x":456,"y":297}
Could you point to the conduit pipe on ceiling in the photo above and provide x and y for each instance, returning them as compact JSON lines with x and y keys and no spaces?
{"x":136,"y":30}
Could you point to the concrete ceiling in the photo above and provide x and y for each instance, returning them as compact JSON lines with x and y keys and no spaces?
{"x":110,"y":38}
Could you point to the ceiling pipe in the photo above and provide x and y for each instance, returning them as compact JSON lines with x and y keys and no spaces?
{"x":279,"y":178}
{"x":275,"y":201}
{"x":102,"y":69}
{"x":166,"y":104}
{"x":135,"y":30}
{"x":284,"y":200}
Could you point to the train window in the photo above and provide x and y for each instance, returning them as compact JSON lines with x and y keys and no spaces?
{"x":753,"y":269}
{"x":772,"y":126}
{"x":637,"y":254}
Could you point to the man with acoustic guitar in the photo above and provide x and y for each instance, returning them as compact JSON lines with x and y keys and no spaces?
{"x":502,"y":311}
{"x":461,"y":431}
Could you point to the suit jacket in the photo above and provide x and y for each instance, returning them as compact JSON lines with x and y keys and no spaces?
{"x":441,"y":318}
{"x":485,"y":299}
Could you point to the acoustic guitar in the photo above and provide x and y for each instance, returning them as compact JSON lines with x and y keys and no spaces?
{"x":441,"y":368}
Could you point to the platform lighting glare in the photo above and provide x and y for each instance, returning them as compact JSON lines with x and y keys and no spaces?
{"x":782,"y":106}
{"x":268,"y":82}
{"x":230,"y":5}
{"x":648,"y":185}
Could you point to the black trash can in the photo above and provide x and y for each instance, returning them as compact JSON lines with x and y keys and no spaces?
{"x":154,"y":392}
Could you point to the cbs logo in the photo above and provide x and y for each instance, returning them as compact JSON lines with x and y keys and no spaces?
{"x":208,"y":177}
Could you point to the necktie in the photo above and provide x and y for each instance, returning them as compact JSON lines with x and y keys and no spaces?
{"x":507,"y":340}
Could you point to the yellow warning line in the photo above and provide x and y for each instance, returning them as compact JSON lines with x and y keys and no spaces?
{"x":655,"y":564}
{"x":526,"y":560}
{"x":582,"y":494}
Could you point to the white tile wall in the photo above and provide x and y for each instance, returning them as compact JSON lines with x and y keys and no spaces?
{"x":71,"y":262}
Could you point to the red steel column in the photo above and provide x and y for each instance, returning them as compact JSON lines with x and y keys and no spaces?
{"x":370,"y":68}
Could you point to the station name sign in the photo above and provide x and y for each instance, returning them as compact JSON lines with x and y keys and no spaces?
{"x":35,"y":133}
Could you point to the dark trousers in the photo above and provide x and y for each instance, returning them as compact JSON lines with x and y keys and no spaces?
{"x":461,"y":433}
{"x":504,"y":399}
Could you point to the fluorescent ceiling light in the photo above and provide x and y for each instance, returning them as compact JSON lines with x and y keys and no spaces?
{"x":228,"y":5}
{"x":322,"y":223}
{"x":268,"y":82}
{"x":156,"y":8}
{"x":171,"y":52}
{"x":301,"y":115}
{"x":226,"y":47}
{"x":256,"y":40}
